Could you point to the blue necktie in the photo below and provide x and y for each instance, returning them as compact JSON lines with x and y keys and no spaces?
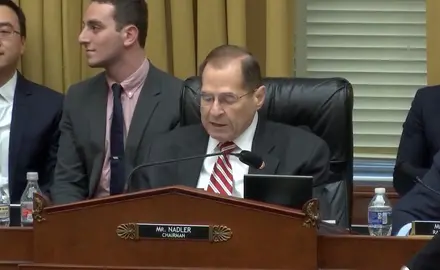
{"x":117,"y":182}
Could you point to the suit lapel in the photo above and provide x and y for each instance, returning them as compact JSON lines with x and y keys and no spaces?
{"x":264,"y":145}
{"x":21,"y":115}
{"x":189,"y":171}
{"x":147,"y":103}
{"x":97,"y":114}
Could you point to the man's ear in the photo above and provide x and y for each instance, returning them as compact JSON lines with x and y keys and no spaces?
{"x":130,"y":34}
{"x":260,"y":96}
{"x":23,"y":45}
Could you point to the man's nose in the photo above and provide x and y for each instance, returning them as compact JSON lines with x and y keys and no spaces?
{"x":216,"y":108}
{"x":82,"y":38}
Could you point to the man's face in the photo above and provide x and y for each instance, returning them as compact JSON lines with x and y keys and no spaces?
{"x":103,"y":44}
{"x":227,"y":108}
{"x":11,"y":42}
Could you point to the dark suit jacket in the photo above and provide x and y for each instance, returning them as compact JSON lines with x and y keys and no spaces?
{"x":420,"y":203}
{"x":420,"y":139}
{"x":83,"y":126}
{"x":284,"y":149}
{"x":428,"y":258}
{"x":34,"y":135}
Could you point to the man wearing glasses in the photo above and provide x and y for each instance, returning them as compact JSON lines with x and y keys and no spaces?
{"x":29,"y":113}
{"x":231,"y":94}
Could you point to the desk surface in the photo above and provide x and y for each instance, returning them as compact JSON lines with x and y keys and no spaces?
{"x":340,"y":251}
{"x":334,"y":251}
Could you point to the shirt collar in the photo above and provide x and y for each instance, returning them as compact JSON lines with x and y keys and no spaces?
{"x":134,"y":80}
{"x":8,"y":89}
{"x":243,"y":142}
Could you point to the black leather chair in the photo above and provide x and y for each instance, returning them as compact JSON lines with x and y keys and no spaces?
{"x":325,"y":106}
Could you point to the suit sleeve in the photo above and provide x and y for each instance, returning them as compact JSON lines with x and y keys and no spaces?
{"x":428,"y":258}
{"x":157,"y":176}
{"x":49,"y":168}
{"x":140,"y":178}
{"x":177,"y":85}
{"x":70,"y":180}
{"x":419,"y":203}
{"x":412,"y":148}
{"x":318,"y":166}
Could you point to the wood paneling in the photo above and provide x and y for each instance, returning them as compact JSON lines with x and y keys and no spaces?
{"x":366,"y":252}
{"x":17,"y":247}
{"x":263,"y":236}
{"x":79,"y":231}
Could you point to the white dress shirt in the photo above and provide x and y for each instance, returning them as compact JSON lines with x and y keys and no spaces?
{"x":404,"y":231}
{"x":239,"y":169}
{"x":6,"y":104}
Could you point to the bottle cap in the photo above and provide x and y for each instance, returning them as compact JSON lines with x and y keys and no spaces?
{"x":32,"y":176}
{"x":379,"y":190}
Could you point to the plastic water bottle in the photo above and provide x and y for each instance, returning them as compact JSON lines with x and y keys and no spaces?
{"x":379,"y":214}
{"x":5,"y":204}
{"x":27,"y":199}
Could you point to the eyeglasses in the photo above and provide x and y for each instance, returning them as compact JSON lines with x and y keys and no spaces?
{"x":224,"y":99}
{"x":7,"y":32}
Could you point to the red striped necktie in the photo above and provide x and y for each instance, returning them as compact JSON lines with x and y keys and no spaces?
{"x":221,"y":180}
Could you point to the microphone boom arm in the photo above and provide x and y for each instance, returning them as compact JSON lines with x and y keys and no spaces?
{"x":135,"y":169}
{"x":245,"y":157}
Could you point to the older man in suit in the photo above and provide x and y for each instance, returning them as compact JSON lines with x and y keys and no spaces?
{"x":29,"y":114}
{"x":232,"y":92}
{"x":108,"y":117}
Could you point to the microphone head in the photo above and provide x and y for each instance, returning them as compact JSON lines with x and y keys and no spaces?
{"x":251,"y":159}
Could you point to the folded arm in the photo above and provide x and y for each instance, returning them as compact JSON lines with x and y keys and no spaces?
{"x":412,"y":148}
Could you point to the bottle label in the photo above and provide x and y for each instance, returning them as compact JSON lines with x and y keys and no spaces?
{"x":26,"y":212}
{"x":379,"y":217}
{"x":4,"y":211}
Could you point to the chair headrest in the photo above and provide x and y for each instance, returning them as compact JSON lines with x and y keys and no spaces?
{"x":323,"y":105}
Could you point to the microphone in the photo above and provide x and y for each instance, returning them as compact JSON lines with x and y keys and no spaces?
{"x":249,"y":158}
{"x":408,"y":169}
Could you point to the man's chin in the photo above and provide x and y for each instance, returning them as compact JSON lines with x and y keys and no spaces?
{"x":4,"y":63}
{"x":221,"y":137}
{"x":94,"y":64}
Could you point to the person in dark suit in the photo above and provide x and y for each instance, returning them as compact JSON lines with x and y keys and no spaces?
{"x":420,"y":139}
{"x":232,"y":92}
{"x":428,"y":258}
{"x":420,"y":203}
{"x":29,"y":113}
{"x":108,"y":117}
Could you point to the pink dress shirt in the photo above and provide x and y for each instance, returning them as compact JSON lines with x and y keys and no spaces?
{"x":132,"y":87}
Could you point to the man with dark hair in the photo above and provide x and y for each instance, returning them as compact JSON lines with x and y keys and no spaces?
{"x":231,"y":94}
{"x":29,"y":113}
{"x":250,"y":68}
{"x":107,"y":118}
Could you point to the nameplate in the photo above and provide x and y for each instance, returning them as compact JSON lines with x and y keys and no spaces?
{"x":139,"y":231}
{"x":425,"y":228}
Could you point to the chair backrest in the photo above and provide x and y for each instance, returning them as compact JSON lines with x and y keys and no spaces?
{"x":323,"y":105}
